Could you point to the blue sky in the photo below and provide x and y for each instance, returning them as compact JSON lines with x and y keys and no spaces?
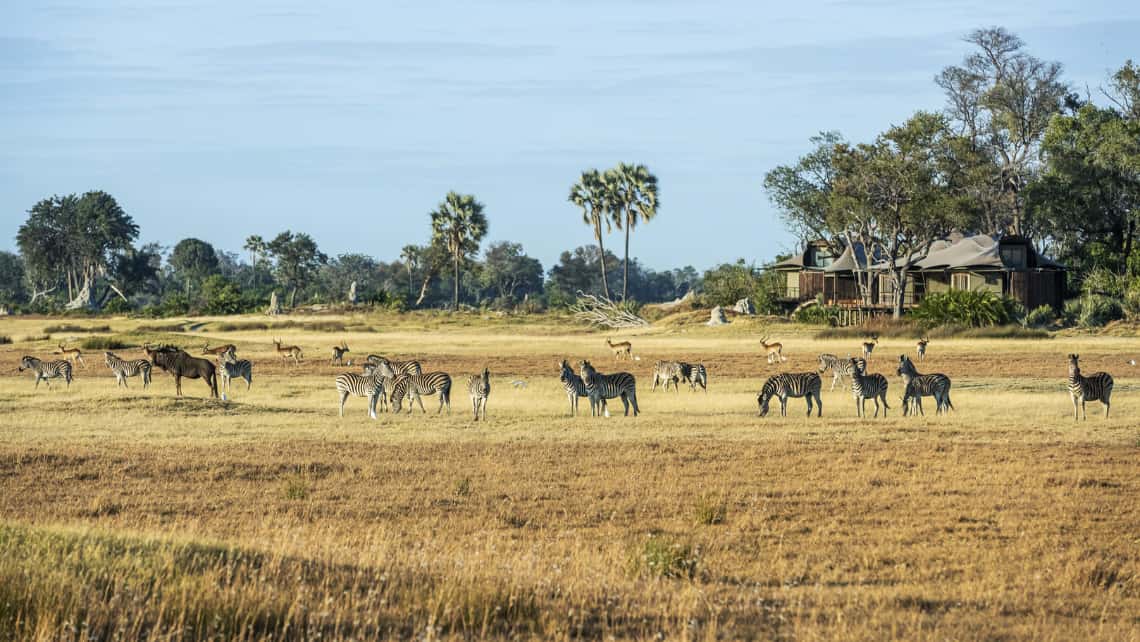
{"x":350,"y":121}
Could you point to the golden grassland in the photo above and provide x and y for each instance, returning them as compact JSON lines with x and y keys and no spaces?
{"x":131,"y":514}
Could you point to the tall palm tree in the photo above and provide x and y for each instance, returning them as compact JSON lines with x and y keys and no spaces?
{"x":458,"y":224}
{"x":590,"y":194}
{"x":410,"y":255}
{"x":632,"y":193}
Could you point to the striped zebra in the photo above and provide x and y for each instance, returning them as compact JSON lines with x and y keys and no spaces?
{"x":695,"y":375}
{"x":231,"y":367}
{"x":47,"y":370}
{"x":666,"y":372}
{"x":479,"y":388}
{"x":839,"y":367}
{"x":428,"y":383}
{"x":867,"y":386}
{"x":791,"y":384}
{"x":600,"y":387}
{"x":1095,"y":387}
{"x":392,"y":368}
{"x":574,"y":387}
{"x":372,"y":386}
{"x":919,"y":385}
{"x":122,"y":369}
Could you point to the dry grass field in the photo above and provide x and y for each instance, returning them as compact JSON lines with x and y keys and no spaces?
{"x":130,"y":514}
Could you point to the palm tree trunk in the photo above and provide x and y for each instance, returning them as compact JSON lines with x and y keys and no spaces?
{"x":625,"y":265}
{"x":602,"y":255}
{"x":455,"y":300}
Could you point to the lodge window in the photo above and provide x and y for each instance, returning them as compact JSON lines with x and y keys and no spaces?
{"x":960,"y":281}
{"x":1013,"y":256}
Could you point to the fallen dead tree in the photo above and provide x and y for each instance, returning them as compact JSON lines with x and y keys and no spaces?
{"x":598,"y":311}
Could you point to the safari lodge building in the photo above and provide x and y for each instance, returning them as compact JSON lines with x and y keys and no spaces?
{"x":1007,"y":265}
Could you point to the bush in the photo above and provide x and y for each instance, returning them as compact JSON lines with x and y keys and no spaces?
{"x":59,"y":329}
{"x":1098,"y":310}
{"x":117,"y":306}
{"x":726,"y":284}
{"x":970,"y":308}
{"x":818,"y":314}
{"x":5,"y":340}
{"x":663,"y":556}
{"x":102,"y":343}
{"x":221,"y":295}
{"x":1041,"y":316}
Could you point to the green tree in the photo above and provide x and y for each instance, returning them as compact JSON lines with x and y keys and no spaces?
{"x":632,"y":197}
{"x":510,"y":272}
{"x":1089,"y":192}
{"x":192,"y":261}
{"x":410,"y":258}
{"x":73,"y":239}
{"x":591,"y":194}
{"x":221,"y":295}
{"x":297,"y":260}
{"x":1001,"y":100}
{"x":11,"y":279}
{"x":458,"y":225}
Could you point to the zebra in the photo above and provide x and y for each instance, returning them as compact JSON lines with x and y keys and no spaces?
{"x":372,"y":386}
{"x":791,"y":384}
{"x":840,"y":367}
{"x":428,"y":383}
{"x":392,"y":368}
{"x":920,"y":385}
{"x":600,"y":387}
{"x":234,"y":368}
{"x":867,"y":386}
{"x":696,"y":375}
{"x":47,"y":370}
{"x":479,"y":388}
{"x":666,"y":372}
{"x":574,"y":387}
{"x":123,"y":369}
{"x":1095,"y":387}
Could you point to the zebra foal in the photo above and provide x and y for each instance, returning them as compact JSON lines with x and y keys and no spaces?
{"x":233,"y":368}
{"x":47,"y":370}
{"x":600,"y":387}
{"x":791,"y":384}
{"x":479,"y":388}
{"x":839,"y":367}
{"x":1095,"y":387}
{"x":122,"y":369}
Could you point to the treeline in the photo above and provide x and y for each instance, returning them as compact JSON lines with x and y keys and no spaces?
{"x":80,"y":252}
{"x":1015,"y":150}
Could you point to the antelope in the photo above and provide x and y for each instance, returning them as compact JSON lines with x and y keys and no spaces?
{"x":869,"y":346}
{"x":774,"y":350}
{"x":218,"y":351}
{"x":71,"y":354}
{"x":288,"y":351}
{"x":622,"y":350}
{"x":922,"y":348}
{"x":338,"y":353}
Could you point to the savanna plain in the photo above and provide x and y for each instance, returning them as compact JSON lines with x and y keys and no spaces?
{"x":132,"y":514}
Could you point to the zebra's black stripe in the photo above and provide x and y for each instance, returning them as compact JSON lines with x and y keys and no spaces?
{"x":791,"y":384}
{"x":479,"y":389}
{"x":371,"y":386}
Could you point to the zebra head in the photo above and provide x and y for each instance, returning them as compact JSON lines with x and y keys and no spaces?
{"x":825,"y":361}
{"x":108,"y":357}
{"x":28,"y":363}
{"x":855,"y":366}
{"x":762,"y":400}
{"x":1074,"y":365}
{"x":587,"y":371}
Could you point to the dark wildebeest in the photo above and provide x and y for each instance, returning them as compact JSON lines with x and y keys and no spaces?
{"x":180,"y":364}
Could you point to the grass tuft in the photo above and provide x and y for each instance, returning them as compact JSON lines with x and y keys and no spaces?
{"x":463,"y":487}
{"x":296,"y":488}
{"x":665,"y":556}
{"x":103,"y":343}
{"x":710,"y":510}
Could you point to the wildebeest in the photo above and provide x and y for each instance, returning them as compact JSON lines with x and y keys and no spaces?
{"x":180,"y":364}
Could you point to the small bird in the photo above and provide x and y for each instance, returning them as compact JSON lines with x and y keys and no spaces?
{"x":1131,"y":362}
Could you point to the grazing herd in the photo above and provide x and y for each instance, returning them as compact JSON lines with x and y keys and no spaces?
{"x":386,"y":383}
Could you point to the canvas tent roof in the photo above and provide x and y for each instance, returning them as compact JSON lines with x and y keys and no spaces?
{"x":977,"y":251}
{"x":846,"y":261}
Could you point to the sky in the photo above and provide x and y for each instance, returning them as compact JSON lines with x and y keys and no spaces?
{"x":351,"y":120}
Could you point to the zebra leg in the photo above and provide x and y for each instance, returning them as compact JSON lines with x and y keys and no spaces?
{"x":783,"y":406}
{"x":419,"y":398}
{"x":343,"y":398}
{"x":633,"y":402}
{"x":625,"y":403}
{"x":818,"y":405}
{"x":249,"y":381}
